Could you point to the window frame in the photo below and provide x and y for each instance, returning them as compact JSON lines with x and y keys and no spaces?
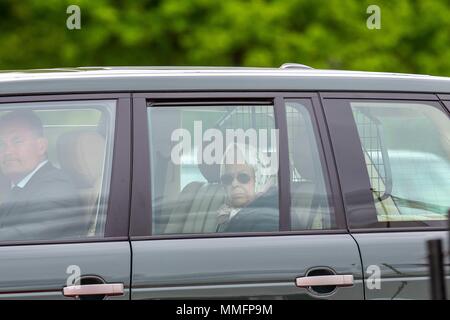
{"x":326,"y":158}
{"x":141,"y":215}
{"x":117,"y":215}
{"x":444,"y":97}
{"x":353,"y":175}
{"x":447,"y":105}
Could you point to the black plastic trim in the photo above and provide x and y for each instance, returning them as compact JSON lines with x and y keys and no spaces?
{"x":236,"y":235}
{"x":284,"y":181}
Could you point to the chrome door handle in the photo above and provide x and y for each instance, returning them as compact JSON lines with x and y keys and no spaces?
{"x":106,"y":289}
{"x":332,"y":280}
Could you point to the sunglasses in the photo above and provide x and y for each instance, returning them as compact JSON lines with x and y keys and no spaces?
{"x":243,"y":178}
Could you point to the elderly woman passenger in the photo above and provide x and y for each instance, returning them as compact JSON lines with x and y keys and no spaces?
{"x":249,"y":186}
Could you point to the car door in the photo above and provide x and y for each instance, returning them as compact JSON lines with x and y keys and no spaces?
{"x":297,"y":246}
{"x":64,"y":234}
{"x":393,"y":157}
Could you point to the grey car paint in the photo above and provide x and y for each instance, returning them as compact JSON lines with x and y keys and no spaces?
{"x":257,"y":267}
{"x":41,"y":271}
{"x":208,"y":79}
{"x":242,"y":267}
{"x":403,"y":261}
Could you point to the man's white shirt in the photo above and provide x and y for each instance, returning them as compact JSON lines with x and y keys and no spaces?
{"x":22,"y":183}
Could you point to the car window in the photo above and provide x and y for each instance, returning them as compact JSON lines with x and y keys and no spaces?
{"x":310,"y":206}
{"x":197,"y":189}
{"x":406,"y":147}
{"x":213,"y":168}
{"x":55,"y":168}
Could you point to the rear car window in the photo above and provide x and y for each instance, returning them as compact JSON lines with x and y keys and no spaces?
{"x":208,"y":164}
{"x":406,"y":148}
{"x":214,"y":169}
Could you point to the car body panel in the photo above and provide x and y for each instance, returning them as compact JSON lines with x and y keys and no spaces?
{"x":403,"y":261}
{"x":259,"y":266}
{"x":241,"y":267}
{"x":41,"y":271}
{"x":209,"y":79}
{"x":32,"y":269}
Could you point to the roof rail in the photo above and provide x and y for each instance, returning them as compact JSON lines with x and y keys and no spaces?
{"x":290,"y":65}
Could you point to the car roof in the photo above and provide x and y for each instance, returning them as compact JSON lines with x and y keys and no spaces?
{"x":124,"y":79}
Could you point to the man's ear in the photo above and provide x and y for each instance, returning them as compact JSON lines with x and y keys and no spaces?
{"x":42,"y":145}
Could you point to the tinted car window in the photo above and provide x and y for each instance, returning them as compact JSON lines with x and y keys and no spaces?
{"x":55,"y":163}
{"x":213,"y":169}
{"x":406,"y":147}
{"x":310,"y":208}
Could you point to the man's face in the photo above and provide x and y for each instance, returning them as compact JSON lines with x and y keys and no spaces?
{"x":21,"y":150}
{"x":241,"y":189}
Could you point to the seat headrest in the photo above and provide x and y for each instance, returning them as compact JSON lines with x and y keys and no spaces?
{"x":81,"y":154}
{"x":211,"y":172}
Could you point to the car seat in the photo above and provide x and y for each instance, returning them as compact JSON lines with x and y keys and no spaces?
{"x":81,"y":154}
{"x":198,"y":203}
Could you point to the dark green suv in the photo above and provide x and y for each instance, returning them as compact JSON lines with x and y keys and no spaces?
{"x":158,"y":183}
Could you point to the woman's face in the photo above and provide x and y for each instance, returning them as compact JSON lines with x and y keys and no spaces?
{"x":239,"y":183}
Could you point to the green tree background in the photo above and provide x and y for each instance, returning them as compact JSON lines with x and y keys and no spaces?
{"x":414,"y":35}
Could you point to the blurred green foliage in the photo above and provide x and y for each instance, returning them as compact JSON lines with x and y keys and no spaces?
{"x":414,"y":35}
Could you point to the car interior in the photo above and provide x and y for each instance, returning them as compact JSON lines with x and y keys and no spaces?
{"x":78,"y":145}
{"x":192,"y":207}
{"x":391,"y":160}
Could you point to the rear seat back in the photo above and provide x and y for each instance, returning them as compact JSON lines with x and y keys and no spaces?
{"x":198,"y":203}
{"x":180,"y":212}
{"x":81,"y":154}
{"x":203,"y":214}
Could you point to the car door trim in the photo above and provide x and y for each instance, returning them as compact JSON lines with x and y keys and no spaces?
{"x":329,"y":280}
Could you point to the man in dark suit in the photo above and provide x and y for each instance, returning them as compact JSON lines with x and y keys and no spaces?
{"x":42,"y":203}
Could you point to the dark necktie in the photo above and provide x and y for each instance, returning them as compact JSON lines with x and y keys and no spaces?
{"x":15,"y":193}
{"x":10,"y":199}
